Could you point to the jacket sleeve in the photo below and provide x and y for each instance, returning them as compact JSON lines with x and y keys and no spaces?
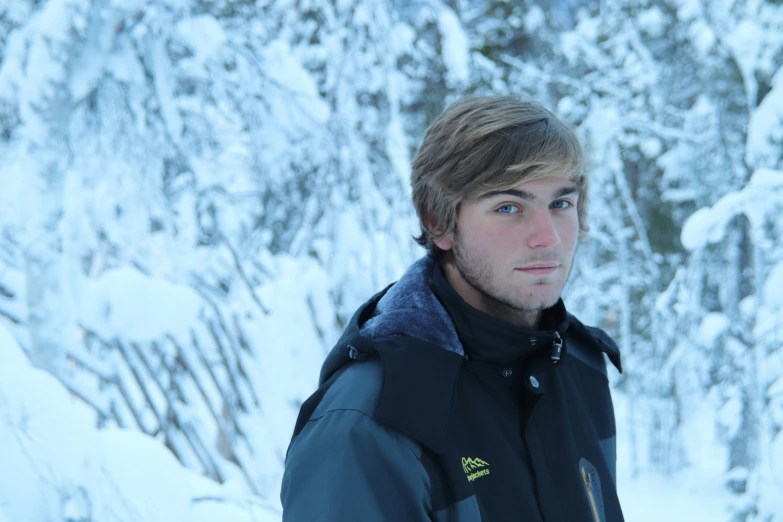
{"x":344,"y":466}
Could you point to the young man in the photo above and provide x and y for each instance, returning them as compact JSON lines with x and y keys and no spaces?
{"x":465,"y":392}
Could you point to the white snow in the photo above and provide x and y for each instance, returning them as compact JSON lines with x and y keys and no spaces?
{"x":604,"y":123}
{"x":693,"y":494}
{"x":203,"y":34}
{"x":124,"y":301}
{"x":773,"y":288}
{"x":708,"y":224}
{"x":702,"y":36}
{"x":157,"y":54}
{"x":124,"y":64}
{"x":155,"y":157}
{"x":455,"y":46}
{"x":92,"y":60}
{"x":63,"y":468}
{"x":688,"y":9}
{"x":713,"y":325}
{"x":652,"y":21}
{"x":686,"y":496}
{"x":127,"y":5}
{"x":746,"y":40}
{"x":534,"y":18}
{"x":651,"y":147}
{"x":285,"y":70}
{"x":771,"y":499}
{"x":570,"y":45}
{"x":700,"y":228}
{"x":765,"y":125}
{"x":767,"y":179}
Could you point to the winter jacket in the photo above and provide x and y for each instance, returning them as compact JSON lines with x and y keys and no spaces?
{"x":407,"y":426}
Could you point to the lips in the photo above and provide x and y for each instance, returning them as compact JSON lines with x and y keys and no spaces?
{"x":539,"y":268}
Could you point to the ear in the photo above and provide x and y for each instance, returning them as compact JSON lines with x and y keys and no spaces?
{"x":444,"y":243}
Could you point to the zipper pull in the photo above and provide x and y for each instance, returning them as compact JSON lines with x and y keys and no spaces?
{"x":557,"y":347}
{"x":355,"y":354}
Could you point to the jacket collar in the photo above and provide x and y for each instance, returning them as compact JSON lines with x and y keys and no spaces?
{"x":597,"y":339}
{"x":409,"y":308}
{"x":490,"y":339}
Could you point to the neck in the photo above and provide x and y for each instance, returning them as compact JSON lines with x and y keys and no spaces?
{"x":480,"y":300}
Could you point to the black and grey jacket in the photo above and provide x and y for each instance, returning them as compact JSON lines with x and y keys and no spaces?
{"x":407,"y":426}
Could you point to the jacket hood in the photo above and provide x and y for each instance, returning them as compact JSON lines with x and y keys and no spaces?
{"x":410,"y":308}
{"x":407,"y":308}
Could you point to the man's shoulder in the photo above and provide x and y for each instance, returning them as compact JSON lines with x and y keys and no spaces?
{"x":349,"y":406}
{"x":357,"y":387}
{"x":403,"y":383}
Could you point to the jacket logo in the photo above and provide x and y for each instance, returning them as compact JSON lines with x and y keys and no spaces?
{"x":475,"y":468}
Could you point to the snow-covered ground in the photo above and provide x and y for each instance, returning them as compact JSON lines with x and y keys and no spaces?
{"x":57,"y":466}
{"x":695,"y":495}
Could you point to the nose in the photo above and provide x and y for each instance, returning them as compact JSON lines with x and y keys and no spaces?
{"x":543,"y":233}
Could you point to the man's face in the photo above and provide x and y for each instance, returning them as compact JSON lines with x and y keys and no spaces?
{"x":514,"y":249}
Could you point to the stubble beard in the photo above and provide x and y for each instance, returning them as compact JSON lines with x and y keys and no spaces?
{"x":478,"y":275}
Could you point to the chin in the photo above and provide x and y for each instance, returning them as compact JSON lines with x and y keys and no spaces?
{"x":538,"y":301}
{"x":537,"y":305}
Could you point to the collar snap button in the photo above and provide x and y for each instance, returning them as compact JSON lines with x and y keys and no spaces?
{"x":534,"y":382}
{"x":507,"y":372}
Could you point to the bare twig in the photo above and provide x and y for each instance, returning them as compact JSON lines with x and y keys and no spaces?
{"x":237,"y":355}
{"x":102,"y":413}
{"x":11,"y":317}
{"x":197,"y":382}
{"x":116,"y":415}
{"x":144,"y":390}
{"x":221,"y":351}
{"x":207,"y":365}
{"x":243,"y":275}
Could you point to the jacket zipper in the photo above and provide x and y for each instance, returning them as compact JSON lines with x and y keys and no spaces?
{"x":590,"y":495}
{"x":557,"y":347}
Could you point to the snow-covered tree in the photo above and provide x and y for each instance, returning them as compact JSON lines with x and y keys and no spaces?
{"x":195,"y":195}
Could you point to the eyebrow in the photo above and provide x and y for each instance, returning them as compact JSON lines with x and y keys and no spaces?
{"x":527,"y":196}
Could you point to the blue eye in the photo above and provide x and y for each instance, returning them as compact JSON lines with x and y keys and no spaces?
{"x":562,"y":204}
{"x":508,"y":209}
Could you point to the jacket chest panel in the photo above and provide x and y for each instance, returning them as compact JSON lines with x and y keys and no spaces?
{"x":533,"y":454}
{"x":487,"y":431}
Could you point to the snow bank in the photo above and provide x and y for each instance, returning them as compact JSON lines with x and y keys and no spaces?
{"x":696,"y":494}
{"x":687,"y":496}
{"x":126,"y":302}
{"x":57,"y":466}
